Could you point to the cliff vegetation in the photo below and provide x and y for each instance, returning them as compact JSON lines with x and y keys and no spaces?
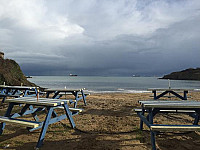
{"x":11,"y":74}
{"x":188,"y":74}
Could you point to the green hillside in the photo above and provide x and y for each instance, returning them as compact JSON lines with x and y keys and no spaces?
{"x":11,"y":74}
{"x":188,"y":74}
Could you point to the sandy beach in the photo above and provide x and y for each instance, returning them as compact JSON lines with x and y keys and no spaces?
{"x":108,"y":122}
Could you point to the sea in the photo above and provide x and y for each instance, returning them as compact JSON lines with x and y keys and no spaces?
{"x":98,"y":84}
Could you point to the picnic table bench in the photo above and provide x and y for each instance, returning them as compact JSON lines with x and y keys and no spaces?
{"x":78,"y":94}
{"x":174,"y":91}
{"x":152,"y":107}
{"x":16,"y":91}
{"x":32,"y":105}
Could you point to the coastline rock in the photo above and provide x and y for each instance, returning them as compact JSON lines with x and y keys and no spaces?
{"x":188,"y":74}
{"x":11,"y":74}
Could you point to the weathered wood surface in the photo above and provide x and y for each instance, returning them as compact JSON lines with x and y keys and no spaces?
{"x":170,"y":104}
{"x":18,"y":121}
{"x":169,"y":111}
{"x":33,"y":100}
{"x":63,"y":90}
{"x":167,"y":128}
{"x":167,"y":89}
{"x":17,"y":87}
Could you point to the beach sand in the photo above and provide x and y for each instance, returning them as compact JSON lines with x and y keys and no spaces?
{"x":108,"y":122}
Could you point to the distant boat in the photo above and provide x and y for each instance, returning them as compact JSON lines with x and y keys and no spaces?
{"x":28,"y":77}
{"x":136,"y":75}
{"x":73,"y":74}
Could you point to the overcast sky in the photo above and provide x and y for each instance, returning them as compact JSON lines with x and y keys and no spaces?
{"x":101,"y":37}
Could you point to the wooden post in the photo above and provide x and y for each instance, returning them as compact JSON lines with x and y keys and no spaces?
{"x":65,"y":92}
{"x":38,"y":92}
{"x":169,"y":87}
{"x":169,"y":83}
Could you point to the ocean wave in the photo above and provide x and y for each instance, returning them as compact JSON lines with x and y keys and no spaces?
{"x":196,"y":89}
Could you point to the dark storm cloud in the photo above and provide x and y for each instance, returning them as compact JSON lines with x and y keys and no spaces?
{"x":93,"y":37}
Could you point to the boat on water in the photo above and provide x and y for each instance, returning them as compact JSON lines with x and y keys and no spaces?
{"x":73,"y":75}
{"x":136,"y":75}
{"x":28,"y":77}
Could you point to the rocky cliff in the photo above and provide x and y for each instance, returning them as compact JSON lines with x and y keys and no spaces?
{"x":188,"y":74}
{"x":11,"y":74}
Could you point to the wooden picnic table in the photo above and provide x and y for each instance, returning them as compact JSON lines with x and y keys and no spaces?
{"x":32,"y":105}
{"x":16,"y":91}
{"x":153,"y":107}
{"x":78,"y":94}
{"x":174,"y":91}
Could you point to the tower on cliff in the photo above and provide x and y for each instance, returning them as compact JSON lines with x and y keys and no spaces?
{"x":2,"y":55}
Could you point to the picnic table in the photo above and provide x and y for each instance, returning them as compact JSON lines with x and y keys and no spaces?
{"x":152,"y":107}
{"x":16,"y":91}
{"x":78,"y":94}
{"x":37,"y":105}
{"x":174,"y":91}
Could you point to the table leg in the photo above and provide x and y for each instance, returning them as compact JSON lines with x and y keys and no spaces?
{"x":84,"y":97}
{"x":153,"y":142}
{"x":177,"y":95}
{"x":141,"y":122}
{"x":7,"y":114}
{"x":56,"y":95}
{"x":185,"y":95}
{"x":69,"y":115}
{"x":76,"y":98}
{"x":44,"y":127}
{"x":3,"y":100}
{"x":154,"y":94}
{"x":162,"y":94}
{"x":47,"y":95}
{"x":196,"y":121}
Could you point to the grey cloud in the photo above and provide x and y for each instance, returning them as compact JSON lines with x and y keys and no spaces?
{"x":104,"y":38}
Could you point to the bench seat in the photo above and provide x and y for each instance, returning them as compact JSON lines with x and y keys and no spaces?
{"x":19,"y":121}
{"x":170,"y":96}
{"x":63,"y":93}
{"x":168,"y":128}
{"x":73,"y":109}
{"x":8,"y":95}
{"x":170,"y":111}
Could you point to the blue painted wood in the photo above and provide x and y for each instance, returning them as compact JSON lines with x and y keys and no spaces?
{"x":7,"y":114}
{"x":164,"y":125}
{"x":56,"y":95}
{"x":153,"y":141}
{"x":153,"y":111}
{"x":185,"y":94}
{"x":69,"y":115}
{"x":44,"y":127}
{"x":143,"y":118}
{"x":161,"y":95}
{"x":197,"y":117}
{"x":177,"y":95}
{"x":184,"y":97}
{"x":84,"y":97}
{"x":141,"y":122}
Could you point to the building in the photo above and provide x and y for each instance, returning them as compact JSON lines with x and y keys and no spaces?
{"x":2,"y":55}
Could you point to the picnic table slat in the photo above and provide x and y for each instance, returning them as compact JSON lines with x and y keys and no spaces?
{"x":63,"y":90}
{"x":19,"y":121}
{"x":34,"y":102}
{"x":168,"y":128}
